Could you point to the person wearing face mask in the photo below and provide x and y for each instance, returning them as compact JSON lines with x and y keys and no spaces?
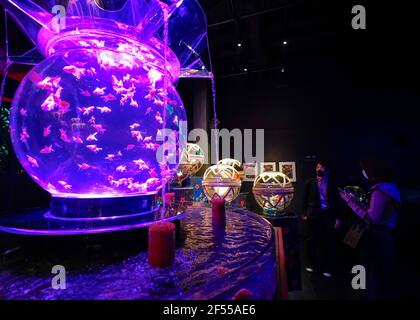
{"x":377,"y":245}
{"x":320,"y":212}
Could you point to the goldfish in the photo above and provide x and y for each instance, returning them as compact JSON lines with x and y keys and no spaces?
{"x":84,"y":166}
{"x":57,"y":94}
{"x":63,"y":107}
{"x":23,"y":112}
{"x":120,"y":90}
{"x":121,"y":169}
{"x":94,"y":148}
{"x":151,"y":146}
{"x":32,"y":161}
{"x":137,"y":186}
{"x":153,"y":173}
{"x":75,"y":71}
{"x":126,"y":65}
{"x":175,"y":121}
{"x":46,"y":131}
{"x":92,"y":137}
{"x":128,"y":95}
{"x":147,"y":139}
{"x":85,"y":93}
{"x":79,"y":64}
{"x":159,"y":103}
{"x":134,"y":126}
{"x":63,"y":135}
{"x":127,"y":77}
{"x":154,"y":76}
{"x":114,"y":183}
{"x":91,"y":72}
{"x":98,"y":43}
{"x":92,"y":120}
{"x":49,"y":104}
{"x":104,"y":109}
{"x":130,"y":147}
{"x":141,"y":164}
{"x":116,"y":83}
{"x":110,"y":157}
{"x":47,"y":150}
{"x":151,"y":95}
{"x":64,"y":184}
{"x":158,"y":118}
{"x":109,"y":97}
{"x":99,"y":91}
{"x":51,"y":188}
{"x":86,"y":111}
{"x":49,"y":83}
{"x":137,"y":135}
{"x":152,"y":183}
{"x":134,"y":103}
{"x":99,"y":128}
{"x":77,"y":140}
{"x":148,"y":110}
{"x":24,"y":135}
{"x":64,"y":104}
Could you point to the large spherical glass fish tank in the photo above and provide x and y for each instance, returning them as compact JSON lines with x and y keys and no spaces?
{"x":97,"y":123}
{"x":86,"y":122}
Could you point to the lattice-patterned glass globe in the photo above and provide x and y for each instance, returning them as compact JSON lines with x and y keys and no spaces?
{"x":273,"y":191}
{"x":221,"y":181}
{"x":192,"y":161}
{"x":234,"y":163}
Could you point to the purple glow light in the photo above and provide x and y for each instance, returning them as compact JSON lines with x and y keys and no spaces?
{"x":84,"y":122}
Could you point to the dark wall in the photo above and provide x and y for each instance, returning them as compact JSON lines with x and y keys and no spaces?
{"x":352,"y":93}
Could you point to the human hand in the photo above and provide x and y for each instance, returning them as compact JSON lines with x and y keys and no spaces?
{"x":347,"y":196}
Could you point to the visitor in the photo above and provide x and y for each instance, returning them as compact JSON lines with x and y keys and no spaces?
{"x":320,"y":212}
{"x":377,"y":245}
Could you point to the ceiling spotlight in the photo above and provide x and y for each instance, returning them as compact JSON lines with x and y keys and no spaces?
{"x":245,"y":69}
{"x":282,"y":69}
{"x":239,"y":44}
{"x":284,"y":43}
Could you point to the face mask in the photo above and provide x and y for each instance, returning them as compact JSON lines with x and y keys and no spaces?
{"x":321,"y":173}
{"x":365,"y":174}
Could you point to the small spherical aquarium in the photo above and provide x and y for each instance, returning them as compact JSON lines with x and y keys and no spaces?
{"x":221,"y":181}
{"x":274,"y":192}
{"x":192,"y":161}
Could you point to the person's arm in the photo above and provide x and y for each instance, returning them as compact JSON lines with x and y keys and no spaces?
{"x":377,"y":206}
{"x":337,"y":208}
{"x":305,"y":196}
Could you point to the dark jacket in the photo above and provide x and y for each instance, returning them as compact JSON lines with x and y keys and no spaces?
{"x":311,"y":200}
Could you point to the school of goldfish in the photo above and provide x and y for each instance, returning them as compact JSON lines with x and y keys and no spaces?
{"x":89,"y":125}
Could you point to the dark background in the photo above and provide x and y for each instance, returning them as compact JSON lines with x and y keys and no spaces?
{"x":332,"y":92}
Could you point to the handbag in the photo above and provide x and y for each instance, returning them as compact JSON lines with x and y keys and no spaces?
{"x":355,"y":233}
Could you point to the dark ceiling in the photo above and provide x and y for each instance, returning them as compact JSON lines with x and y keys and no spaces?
{"x":257,"y":35}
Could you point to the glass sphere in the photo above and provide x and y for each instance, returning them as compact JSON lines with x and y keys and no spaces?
{"x":234,"y":163}
{"x":221,"y":181}
{"x":86,"y":121}
{"x":192,"y":161}
{"x":273,"y":191}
